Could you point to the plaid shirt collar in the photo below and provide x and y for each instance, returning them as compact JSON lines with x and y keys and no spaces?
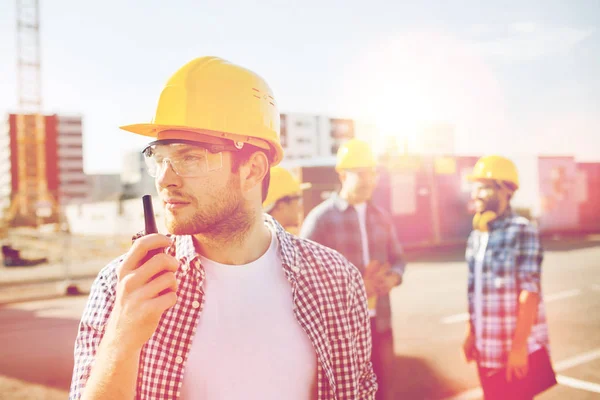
{"x":185,"y":250}
{"x":503,"y":221}
{"x":342,"y":204}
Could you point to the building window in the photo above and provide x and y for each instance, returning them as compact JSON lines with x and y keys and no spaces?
{"x":73,"y":122}
{"x":283,"y":130}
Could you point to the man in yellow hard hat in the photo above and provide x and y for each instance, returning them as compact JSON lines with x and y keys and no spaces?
{"x":228,"y":305}
{"x":507,"y":333}
{"x":284,"y":199}
{"x":351,"y":224}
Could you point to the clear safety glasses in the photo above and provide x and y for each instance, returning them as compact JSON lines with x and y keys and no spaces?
{"x":187,"y":160}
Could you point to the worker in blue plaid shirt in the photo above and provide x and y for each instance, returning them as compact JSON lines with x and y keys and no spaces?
{"x":351,"y":224}
{"x":507,"y":317}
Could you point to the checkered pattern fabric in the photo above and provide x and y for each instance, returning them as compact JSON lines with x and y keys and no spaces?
{"x":330,"y":305}
{"x":512,"y":263}
{"x":334,"y":223}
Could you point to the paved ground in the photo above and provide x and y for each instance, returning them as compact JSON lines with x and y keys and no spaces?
{"x":36,"y":339}
{"x":429,"y":324}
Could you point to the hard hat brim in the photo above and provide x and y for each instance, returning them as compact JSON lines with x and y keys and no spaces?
{"x":268,"y":207}
{"x":153,"y":130}
{"x":475,"y":178}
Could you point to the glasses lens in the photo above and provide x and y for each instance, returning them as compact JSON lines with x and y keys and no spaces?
{"x":186,"y":161}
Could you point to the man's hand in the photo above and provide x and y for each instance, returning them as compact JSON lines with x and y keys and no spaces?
{"x":146,"y":289}
{"x":380,"y":279}
{"x":375,"y":269}
{"x":370,"y":286}
{"x":387,"y":282}
{"x":517,"y":362}
{"x":469,"y":349}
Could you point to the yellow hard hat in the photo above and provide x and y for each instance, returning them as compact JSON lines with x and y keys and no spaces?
{"x":355,"y":153}
{"x":214,"y":97}
{"x":282,"y":184}
{"x":495,"y":168}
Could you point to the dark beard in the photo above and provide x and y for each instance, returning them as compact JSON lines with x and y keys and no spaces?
{"x":227,"y":218}
{"x":492,"y":205}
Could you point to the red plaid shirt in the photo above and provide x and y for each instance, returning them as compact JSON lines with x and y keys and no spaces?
{"x":329,"y":303}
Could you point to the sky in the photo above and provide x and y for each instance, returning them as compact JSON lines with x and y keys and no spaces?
{"x":513,"y":77}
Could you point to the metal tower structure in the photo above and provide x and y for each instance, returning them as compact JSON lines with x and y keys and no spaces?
{"x":32,"y":199}
{"x":29,"y":56}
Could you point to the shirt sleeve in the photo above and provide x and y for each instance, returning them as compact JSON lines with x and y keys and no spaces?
{"x":313,"y":229}
{"x":91,"y":329}
{"x":469,"y":258}
{"x":529,"y":256}
{"x":397,"y":262}
{"x":367,"y":382}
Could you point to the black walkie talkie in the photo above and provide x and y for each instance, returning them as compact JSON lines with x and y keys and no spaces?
{"x":149,"y":223}
{"x":149,"y":228}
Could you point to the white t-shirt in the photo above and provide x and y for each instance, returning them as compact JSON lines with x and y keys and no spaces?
{"x":361,"y":210}
{"x":248,"y":343}
{"x":478,"y":301}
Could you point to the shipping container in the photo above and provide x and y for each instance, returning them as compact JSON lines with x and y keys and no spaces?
{"x":429,"y":197}
{"x":589,"y":196}
{"x":453,"y":192}
{"x":405,"y":191}
{"x":322,"y":176}
{"x":558,"y":194}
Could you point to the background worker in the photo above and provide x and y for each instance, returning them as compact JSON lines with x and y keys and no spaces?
{"x":284,"y":199}
{"x":350,"y":223}
{"x":507,"y":316}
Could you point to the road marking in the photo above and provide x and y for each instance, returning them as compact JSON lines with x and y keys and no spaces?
{"x":477,"y":393}
{"x":578,"y":384}
{"x":562,"y":295}
{"x":456,"y":318}
{"x":463,"y":317}
{"x":577,"y":360}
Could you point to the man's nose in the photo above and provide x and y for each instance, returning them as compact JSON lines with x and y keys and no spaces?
{"x":166,"y":175}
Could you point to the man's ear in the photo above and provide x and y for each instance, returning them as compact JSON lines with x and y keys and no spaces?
{"x":342,"y":176}
{"x":254,"y":171}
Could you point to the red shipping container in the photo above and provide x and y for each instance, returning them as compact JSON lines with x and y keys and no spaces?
{"x":453,"y":198}
{"x":405,"y":190}
{"x":558,"y":193}
{"x":589,"y":196}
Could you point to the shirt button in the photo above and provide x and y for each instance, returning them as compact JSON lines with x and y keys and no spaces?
{"x":295,"y":269}
{"x":178,"y":359}
{"x":195,"y":304}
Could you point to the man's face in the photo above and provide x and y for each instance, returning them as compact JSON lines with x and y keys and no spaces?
{"x":209,"y":202}
{"x":359,"y":183}
{"x":290,"y":211}
{"x":487,"y":196}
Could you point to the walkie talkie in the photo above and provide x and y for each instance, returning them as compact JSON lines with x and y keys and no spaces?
{"x":149,"y":228}
{"x":149,"y":220}
{"x":149,"y":223}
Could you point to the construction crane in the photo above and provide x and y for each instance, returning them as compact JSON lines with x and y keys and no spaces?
{"x":32,"y":199}
{"x":29,"y":77}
